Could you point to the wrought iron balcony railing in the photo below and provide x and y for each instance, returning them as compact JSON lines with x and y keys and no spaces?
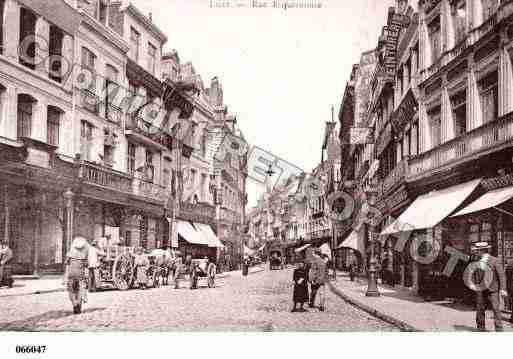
{"x":491,"y":135}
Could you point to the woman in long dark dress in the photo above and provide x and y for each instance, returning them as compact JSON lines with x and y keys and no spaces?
{"x":300,"y":295}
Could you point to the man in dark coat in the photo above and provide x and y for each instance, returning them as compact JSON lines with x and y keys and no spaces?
{"x":489,"y":283}
{"x":300,"y":278}
{"x":5,"y":267}
{"x":509,"y":286}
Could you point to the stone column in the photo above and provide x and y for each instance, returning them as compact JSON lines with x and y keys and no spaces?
{"x":68,"y":222}
{"x":446,"y":114}
{"x":473,"y":101}
{"x":11,"y":111}
{"x":424,"y":130}
{"x":42,"y":45}
{"x":12,"y":22}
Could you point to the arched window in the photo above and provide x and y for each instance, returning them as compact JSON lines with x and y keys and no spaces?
{"x":26,"y":105}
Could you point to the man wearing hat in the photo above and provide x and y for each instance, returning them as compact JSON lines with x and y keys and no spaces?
{"x":489,"y":282}
{"x":94,"y":262}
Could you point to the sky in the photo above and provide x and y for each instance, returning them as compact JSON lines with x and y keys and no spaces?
{"x":281,"y":70}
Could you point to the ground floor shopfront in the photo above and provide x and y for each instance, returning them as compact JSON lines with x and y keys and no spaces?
{"x":43,"y":206}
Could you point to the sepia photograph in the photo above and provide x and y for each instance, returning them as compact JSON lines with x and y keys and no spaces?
{"x":183,"y":167}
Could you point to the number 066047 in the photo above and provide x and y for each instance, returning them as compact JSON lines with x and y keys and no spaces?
{"x":30,"y":349}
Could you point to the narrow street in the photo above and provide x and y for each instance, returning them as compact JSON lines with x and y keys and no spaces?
{"x":259,"y":302}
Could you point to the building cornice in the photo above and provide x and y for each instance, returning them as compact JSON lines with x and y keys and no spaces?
{"x":148,"y":24}
{"x":103,"y":31}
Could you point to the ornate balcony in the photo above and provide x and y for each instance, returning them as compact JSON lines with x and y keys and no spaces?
{"x":104,"y":177}
{"x":490,"y":137}
{"x":114,"y":114}
{"x":149,"y":190}
{"x":148,"y":134}
{"x":395,"y":177}
{"x":199,"y":212}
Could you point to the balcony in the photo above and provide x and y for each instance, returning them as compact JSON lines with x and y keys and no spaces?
{"x":199,"y":212}
{"x":149,"y":190}
{"x":228,"y":216}
{"x":476,"y":34}
{"x":490,"y":137}
{"x":104,"y":177}
{"x":394,"y":178}
{"x":147,"y":134}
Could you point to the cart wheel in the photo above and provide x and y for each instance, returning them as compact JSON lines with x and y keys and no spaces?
{"x":123,"y":272}
{"x":211,"y":275}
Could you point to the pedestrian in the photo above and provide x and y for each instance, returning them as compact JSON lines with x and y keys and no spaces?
{"x":317,"y":278}
{"x":509,"y":286}
{"x":94,"y":263}
{"x":142,"y":264}
{"x":75,"y":273}
{"x":493,"y":289}
{"x":300,"y":295}
{"x":5,"y":266}
{"x":245,"y":265}
{"x":353,"y":265}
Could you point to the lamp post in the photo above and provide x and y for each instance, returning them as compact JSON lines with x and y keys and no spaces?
{"x":372,"y":286}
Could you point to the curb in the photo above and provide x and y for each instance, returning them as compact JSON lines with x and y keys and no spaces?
{"x":402,"y":325}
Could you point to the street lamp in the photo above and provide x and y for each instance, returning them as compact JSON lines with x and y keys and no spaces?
{"x":372,"y":286}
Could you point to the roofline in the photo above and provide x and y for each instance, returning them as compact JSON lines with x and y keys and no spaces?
{"x":134,"y":11}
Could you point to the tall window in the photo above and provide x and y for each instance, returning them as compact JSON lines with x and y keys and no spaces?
{"x":150,"y":168}
{"x":86,"y":139}
{"x":489,"y":8}
{"x":203,"y":145}
{"x":53,"y":117}
{"x":25,"y":106}
{"x":435,"y":39}
{"x":436,"y":126}
{"x":459,"y":112}
{"x":27,"y":30}
{"x":88,"y":58}
{"x":55,"y":50}
{"x":152,"y":55}
{"x":415,"y":143}
{"x":459,"y":15}
{"x":131,"y":158}
{"x":488,"y":92}
{"x":108,"y":151}
{"x":135,"y":43}
{"x":102,"y":12}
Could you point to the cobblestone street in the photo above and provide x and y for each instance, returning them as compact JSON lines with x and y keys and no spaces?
{"x":259,"y":302}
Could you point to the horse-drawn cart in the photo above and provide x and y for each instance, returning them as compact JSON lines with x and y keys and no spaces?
{"x":118,"y":268}
{"x":194,"y":271}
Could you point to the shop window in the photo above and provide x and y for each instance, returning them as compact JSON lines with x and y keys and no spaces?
{"x":435,"y":39}
{"x":25,"y":108}
{"x":435,"y":123}
{"x":459,"y":112}
{"x":135,"y":43}
{"x":55,"y":50}
{"x":459,"y":15}
{"x":488,"y":92}
{"x":53,"y":119}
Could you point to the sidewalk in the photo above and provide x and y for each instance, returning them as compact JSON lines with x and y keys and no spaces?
{"x":27,"y":285}
{"x":410,"y":312}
